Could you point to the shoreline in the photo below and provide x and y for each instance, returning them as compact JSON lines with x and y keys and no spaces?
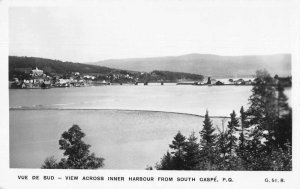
{"x":154,"y":84}
{"x":132,"y":84}
{"x":122,"y":110}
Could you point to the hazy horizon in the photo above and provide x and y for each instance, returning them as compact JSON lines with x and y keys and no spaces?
{"x":88,"y":62}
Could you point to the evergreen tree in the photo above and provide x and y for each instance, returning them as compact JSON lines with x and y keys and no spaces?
{"x":241,"y":148}
{"x":76,"y":151}
{"x":207,"y":143}
{"x":231,"y":145}
{"x":50,"y":163}
{"x":262,"y":116}
{"x":269,"y":109}
{"x":283,"y":130}
{"x":221,"y":147}
{"x":178,"y":146}
{"x":166,"y":162}
{"x":233,"y":125}
{"x":263,"y":104}
{"x":243,"y":126}
{"x":192,"y":152}
{"x":207,"y":133}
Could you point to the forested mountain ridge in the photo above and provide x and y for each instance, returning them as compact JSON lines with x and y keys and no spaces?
{"x":207,"y":64}
{"x":18,"y":66}
{"x":54,"y":66}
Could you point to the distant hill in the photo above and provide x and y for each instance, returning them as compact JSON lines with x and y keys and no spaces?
{"x":207,"y":64}
{"x":20,"y":67}
{"x":54,"y":66}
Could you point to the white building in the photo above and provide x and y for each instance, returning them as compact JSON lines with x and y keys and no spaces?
{"x":37,"y":72}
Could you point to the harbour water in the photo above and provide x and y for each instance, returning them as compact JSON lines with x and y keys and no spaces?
{"x":112,"y":122}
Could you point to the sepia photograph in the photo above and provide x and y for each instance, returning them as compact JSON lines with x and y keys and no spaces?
{"x":150,"y":92}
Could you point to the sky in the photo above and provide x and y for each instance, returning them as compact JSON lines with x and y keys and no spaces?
{"x":115,"y":30}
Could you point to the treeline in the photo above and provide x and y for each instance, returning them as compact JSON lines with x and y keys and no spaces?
{"x":261,"y":139}
{"x":53,"y":66}
{"x":157,"y":75}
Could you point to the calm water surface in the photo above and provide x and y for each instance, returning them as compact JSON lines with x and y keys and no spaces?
{"x":184,"y":99}
{"x":141,"y":137}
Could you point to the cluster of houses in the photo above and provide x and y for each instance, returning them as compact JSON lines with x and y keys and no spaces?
{"x":245,"y":81}
{"x":118,"y":76}
{"x":284,"y":81}
{"x":212,"y":81}
{"x":38,"y":79}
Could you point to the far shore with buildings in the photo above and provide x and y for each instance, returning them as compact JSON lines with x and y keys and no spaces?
{"x":37,"y":79}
